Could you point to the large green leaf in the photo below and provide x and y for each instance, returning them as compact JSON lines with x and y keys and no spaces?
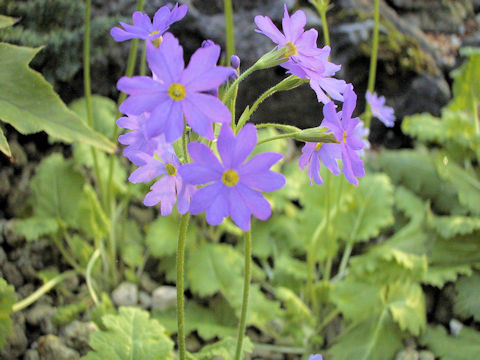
{"x":35,"y":227}
{"x":28,"y":102}
{"x":6,"y":21}
{"x":130,"y":335}
{"x":466,"y":182}
{"x":57,"y":189}
{"x":7,"y":299}
{"x":450,"y":226}
{"x":465,"y":346}
{"x":467,"y":302}
{"x":162,"y":236}
{"x":466,"y":89}
{"x":4,"y":147}
{"x":370,"y":209}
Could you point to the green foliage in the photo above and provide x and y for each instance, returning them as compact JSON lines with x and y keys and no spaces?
{"x":4,"y":147}
{"x":467,"y":302}
{"x":465,"y":346}
{"x":6,"y":21}
{"x":7,"y":299}
{"x":368,"y":211}
{"x":35,"y":227}
{"x":68,"y":313}
{"x":130,"y":335}
{"x":28,"y":102}
{"x":223,"y":349}
{"x":162,"y":236}
{"x":57,"y":189}
{"x":466,"y":85}
{"x":104,"y":307}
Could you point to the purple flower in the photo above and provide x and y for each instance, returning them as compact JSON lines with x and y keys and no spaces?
{"x":169,"y":187}
{"x":315,"y":357}
{"x":176,"y":92}
{"x":143,"y":28}
{"x":313,"y":153}
{"x":137,"y":140}
{"x":380,"y":110}
{"x":361,"y":132}
{"x":233,"y":185}
{"x":345,"y":134}
{"x":306,"y":60}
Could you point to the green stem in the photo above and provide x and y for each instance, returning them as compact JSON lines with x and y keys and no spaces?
{"x":475,"y":113}
{"x":29,"y":300}
{"x":278,"y":137}
{"x":229,"y":28}
{"x":88,"y":275}
{"x":322,"y":8}
{"x":373,"y":60}
{"x":143,"y":61}
{"x":180,"y":285}
{"x":184,"y":142}
{"x":246,"y":289}
{"x":327,"y":320}
{"x":88,"y":94}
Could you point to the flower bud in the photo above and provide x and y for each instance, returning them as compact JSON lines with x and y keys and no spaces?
{"x":317,"y":134}
{"x":271,"y":59}
{"x":207,"y":43}
{"x":235,"y":61}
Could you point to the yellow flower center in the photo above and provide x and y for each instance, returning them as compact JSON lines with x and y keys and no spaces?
{"x":318,"y":146}
{"x":290,"y":49}
{"x":158,"y":40}
{"x":176,"y":92}
{"x":171,"y":170}
{"x":230,"y":177}
{"x":344,"y":136}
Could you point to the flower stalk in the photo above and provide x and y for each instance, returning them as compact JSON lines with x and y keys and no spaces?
{"x":180,"y":285}
{"x":373,"y":60}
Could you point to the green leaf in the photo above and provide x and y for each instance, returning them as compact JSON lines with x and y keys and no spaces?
{"x":370,"y":209}
{"x":6,"y":21}
{"x":7,"y":299}
{"x":208,"y":322}
{"x":406,"y":303}
{"x":466,"y":85}
{"x":91,"y":218}
{"x":425,"y":127}
{"x":104,"y":307}
{"x":465,"y":346}
{"x":467,"y":183}
{"x":296,"y":309}
{"x":57,"y":189}
{"x":130,"y":335}
{"x":162,"y":236}
{"x":4,"y":147}
{"x":223,"y":349}
{"x":377,"y":338}
{"x":34,"y":228}
{"x":409,"y":203}
{"x":29,"y":104}
{"x":450,"y":226}
{"x":467,"y":302}
{"x":68,"y":313}
{"x":81,"y":249}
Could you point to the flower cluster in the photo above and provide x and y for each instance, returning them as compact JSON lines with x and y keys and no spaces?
{"x":178,"y":100}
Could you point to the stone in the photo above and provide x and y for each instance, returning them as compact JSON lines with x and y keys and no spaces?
{"x":12,"y":275}
{"x":3,"y":257}
{"x":31,"y":355}
{"x":17,"y":343}
{"x":50,"y":347}
{"x":164,"y":298}
{"x":77,"y":335}
{"x":126,"y":294}
{"x":145,"y":300}
{"x":39,"y":313}
{"x":147,"y":283}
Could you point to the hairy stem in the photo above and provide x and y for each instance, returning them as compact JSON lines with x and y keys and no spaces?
{"x":180,"y":286}
{"x":246,"y":289}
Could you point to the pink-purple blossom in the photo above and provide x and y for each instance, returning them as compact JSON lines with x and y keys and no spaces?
{"x":315,"y":153}
{"x":144,"y":28}
{"x":233,"y":186}
{"x":306,"y":60}
{"x":380,"y":110}
{"x":170,"y":188}
{"x":175,"y":93}
{"x":346,"y":134}
{"x":315,"y":357}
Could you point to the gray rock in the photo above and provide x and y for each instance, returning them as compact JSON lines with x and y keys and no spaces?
{"x":50,"y":347}
{"x":147,"y":283}
{"x":164,"y":297}
{"x":426,"y":355}
{"x":126,"y":294}
{"x":12,"y":275}
{"x":145,"y":300}
{"x":31,"y":355}
{"x":39,"y":313}
{"x":16,"y":344}
{"x":77,"y":334}
{"x":3,"y":257}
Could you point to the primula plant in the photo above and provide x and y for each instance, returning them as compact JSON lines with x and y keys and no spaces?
{"x":269,"y":252}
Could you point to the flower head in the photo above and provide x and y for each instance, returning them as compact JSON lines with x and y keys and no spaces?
{"x":137,"y":140}
{"x":176,"y":92}
{"x":144,"y":28}
{"x":315,"y":357}
{"x":306,"y":60}
{"x":314,"y":153}
{"x":380,"y":110}
{"x":233,"y":185}
{"x":170,"y":188}
{"x":346,"y":134}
